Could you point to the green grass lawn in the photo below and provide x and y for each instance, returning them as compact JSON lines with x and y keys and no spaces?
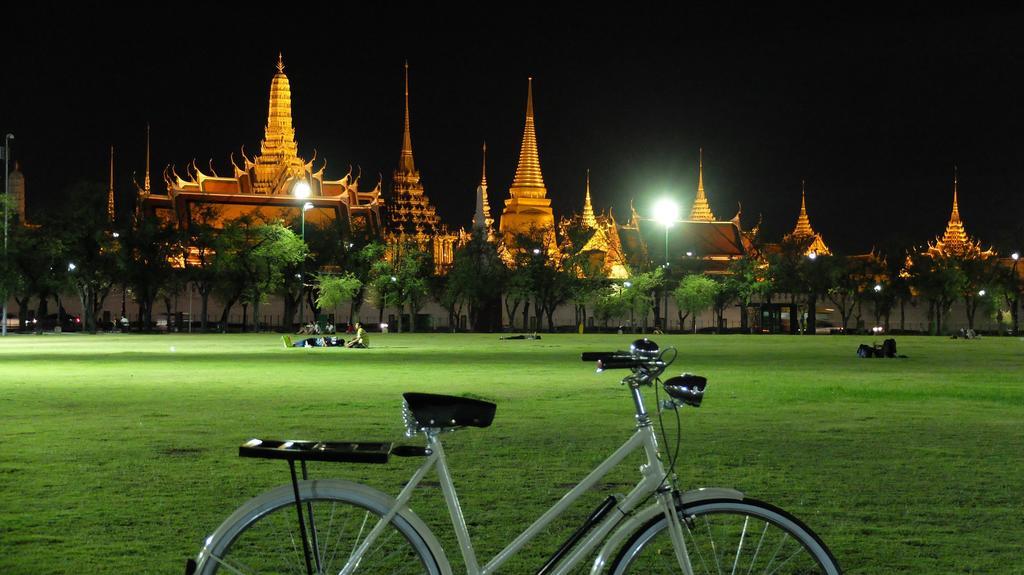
{"x":118,"y":452}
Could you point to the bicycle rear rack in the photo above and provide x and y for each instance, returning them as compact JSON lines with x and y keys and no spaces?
{"x":334,"y":451}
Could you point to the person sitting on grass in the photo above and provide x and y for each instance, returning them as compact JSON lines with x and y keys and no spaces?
{"x":360,"y":340}
{"x":313,"y":342}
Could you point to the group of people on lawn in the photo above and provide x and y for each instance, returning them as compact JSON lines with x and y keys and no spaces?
{"x":359,"y":341}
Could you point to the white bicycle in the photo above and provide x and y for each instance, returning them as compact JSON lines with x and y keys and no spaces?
{"x":341,"y":527}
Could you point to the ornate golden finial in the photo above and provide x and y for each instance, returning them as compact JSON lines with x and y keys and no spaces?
{"x":701,"y":210}
{"x":955,"y":239}
{"x":145,"y":183}
{"x":588,"y":209}
{"x":110,"y":192}
{"x":483,"y":175}
{"x":280,"y":63}
{"x":406,"y":163}
{"x":529,"y":181}
{"x":803,"y":227}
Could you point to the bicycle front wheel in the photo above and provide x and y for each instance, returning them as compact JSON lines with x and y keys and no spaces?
{"x":264,"y":536}
{"x":727,"y":536}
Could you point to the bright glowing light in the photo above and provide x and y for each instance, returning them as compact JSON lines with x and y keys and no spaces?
{"x":116,"y":235}
{"x":394,"y":279}
{"x":536,"y":251}
{"x":689,"y":254}
{"x":307,"y":206}
{"x":301,"y":189}
{"x":666,"y":212}
{"x":878,"y":287}
{"x":814,"y":256}
{"x":627,"y":284}
{"x":71,"y":267}
{"x":1015,"y":256}
{"x":981,"y":293}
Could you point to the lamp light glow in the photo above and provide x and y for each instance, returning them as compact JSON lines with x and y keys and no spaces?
{"x":301,"y":189}
{"x":666,"y":212}
{"x":1015,"y":256}
{"x":307,"y":206}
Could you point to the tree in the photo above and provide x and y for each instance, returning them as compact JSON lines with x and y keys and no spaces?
{"x":979,"y":278}
{"x":276,"y":248}
{"x":939,"y":281}
{"x":476,"y":279}
{"x":88,"y":248}
{"x":640,"y":292}
{"x":611,"y":304}
{"x":149,"y":252}
{"x":696,"y":293}
{"x":335,"y":289}
{"x":747,"y":280}
{"x":200,"y":254}
{"x":401,"y":280}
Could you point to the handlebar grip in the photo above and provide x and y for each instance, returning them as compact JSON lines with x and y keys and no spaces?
{"x":597,"y":355}
{"x":617,"y":362}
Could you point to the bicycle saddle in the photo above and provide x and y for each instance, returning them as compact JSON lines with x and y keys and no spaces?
{"x":430,"y":410}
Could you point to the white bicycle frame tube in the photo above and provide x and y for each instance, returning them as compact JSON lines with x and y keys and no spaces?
{"x":653,"y":479}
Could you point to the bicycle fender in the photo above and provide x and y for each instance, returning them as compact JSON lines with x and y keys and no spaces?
{"x":640,"y":518}
{"x":327,"y":486}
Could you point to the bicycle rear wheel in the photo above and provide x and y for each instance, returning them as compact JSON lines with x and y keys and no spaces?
{"x":264,"y":536}
{"x":728,"y":536}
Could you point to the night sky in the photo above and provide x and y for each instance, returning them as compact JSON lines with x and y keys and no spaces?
{"x":871,"y":108}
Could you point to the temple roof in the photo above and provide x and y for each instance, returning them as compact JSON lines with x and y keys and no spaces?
{"x":955,"y":241}
{"x":410,"y":212}
{"x":701,"y":210}
{"x":529,"y":181}
{"x":588,"y":209}
{"x":803,"y":229}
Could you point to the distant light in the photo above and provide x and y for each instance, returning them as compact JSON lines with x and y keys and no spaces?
{"x":71,"y":267}
{"x":1015,"y":256}
{"x":878,"y":287}
{"x":627,"y":284}
{"x":666,"y":212}
{"x":307,"y":206}
{"x":301,"y":189}
{"x":394,"y":279}
{"x":689,"y":254}
{"x":384,"y":325}
{"x":981,"y":293}
{"x":116,"y":235}
{"x":536,"y":251}
{"x":814,"y":256}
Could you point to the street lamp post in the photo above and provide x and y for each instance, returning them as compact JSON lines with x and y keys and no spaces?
{"x":7,"y":196}
{"x":666,"y":211}
{"x":1016,"y":290}
{"x":301,"y":190}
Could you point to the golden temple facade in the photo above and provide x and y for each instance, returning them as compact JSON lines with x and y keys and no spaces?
{"x":411,"y":217}
{"x":528,"y":209}
{"x":275,"y":184}
{"x":955,"y":242}
{"x":803,"y":230}
{"x":701,"y":210}
{"x":596,"y":238}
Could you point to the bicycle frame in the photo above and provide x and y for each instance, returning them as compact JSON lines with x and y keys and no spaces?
{"x":653,"y":482}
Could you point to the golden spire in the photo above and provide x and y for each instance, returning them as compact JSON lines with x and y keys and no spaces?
{"x":405,"y":163}
{"x":110,"y":192}
{"x":482,"y":218}
{"x":803,"y":223}
{"x":145,"y":183}
{"x":280,"y":63}
{"x":528,"y":181}
{"x":588,"y":209}
{"x":955,"y":239}
{"x":483,"y":176}
{"x":701,"y":210}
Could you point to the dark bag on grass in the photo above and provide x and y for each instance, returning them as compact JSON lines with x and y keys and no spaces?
{"x":865,"y":351}
{"x":889,"y":348}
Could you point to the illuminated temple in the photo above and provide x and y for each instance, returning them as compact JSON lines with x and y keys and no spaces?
{"x":411,"y":217}
{"x":955,"y":242}
{"x":596,"y":238}
{"x":528,"y":209}
{"x":803,"y":232}
{"x":266,"y":185}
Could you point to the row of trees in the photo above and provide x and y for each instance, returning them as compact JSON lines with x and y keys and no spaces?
{"x":245,"y":261}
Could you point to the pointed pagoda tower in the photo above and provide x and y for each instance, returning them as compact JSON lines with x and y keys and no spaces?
{"x":701,"y":210}
{"x":803,"y":229}
{"x":528,"y":208}
{"x":278,"y":161}
{"x":410,"y":212}
{"x":110,"y":190}
{"x":589,"y":219}
{"x":482,"y":219}
{"x":955,"y":242}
